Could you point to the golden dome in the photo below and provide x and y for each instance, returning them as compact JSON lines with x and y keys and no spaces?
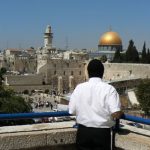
{"x":110,"y":38}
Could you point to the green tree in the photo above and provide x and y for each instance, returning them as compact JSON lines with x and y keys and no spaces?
{"x":26,"y":91}
{"x":132,"y":55}
{"x":144,"y":55}
{"x":148,"y":56}
{"x":135,"y":57}
{"x":129,"y":51}
{"x":123,"y":57}
{"x":103,"y":58}
{"x":2,"y":72}
{"x":143,"y":95}
{"x":11,"y":103}
{"x":117,"y":56}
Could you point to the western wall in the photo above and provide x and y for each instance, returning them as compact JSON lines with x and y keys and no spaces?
{"x":120,"y":71}
{"x":65,"y":75}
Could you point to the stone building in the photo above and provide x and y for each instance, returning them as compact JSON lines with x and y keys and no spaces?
{"x":73,"y":55}
{"x":109,"y":42}
{"x":9,"y":58}
{"x":63,"y":75}
{"x":45,"y":69}
{"x":49,"y":69}
{"x":21,"y":61}
{"x":25,"y":63}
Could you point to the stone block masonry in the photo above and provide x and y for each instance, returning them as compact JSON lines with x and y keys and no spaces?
{"x":61,"y":136}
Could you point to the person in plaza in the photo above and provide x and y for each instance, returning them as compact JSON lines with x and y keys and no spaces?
{"x":96,"y":105}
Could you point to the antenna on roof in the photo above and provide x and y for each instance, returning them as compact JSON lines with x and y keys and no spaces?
{"x":66,"y":43}
{"x":7,"y":44}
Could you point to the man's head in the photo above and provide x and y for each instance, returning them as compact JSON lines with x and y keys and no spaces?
{"x":95,"y":68}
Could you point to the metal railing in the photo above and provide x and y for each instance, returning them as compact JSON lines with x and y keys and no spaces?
{"x":16,"y":116}
{"x":136,"y":119}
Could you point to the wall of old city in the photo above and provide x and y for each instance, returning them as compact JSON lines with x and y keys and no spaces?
{"x":29,"y":80}
{"x":20,"y":61}
{"x":118,"y":71}
{"x":66,"y":74}
{"x":30,"y":88}
{"x":23,"y":64}
{"x":21,"y":83}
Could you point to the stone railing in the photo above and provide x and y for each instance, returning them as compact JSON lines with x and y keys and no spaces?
{"x":61,"y":136}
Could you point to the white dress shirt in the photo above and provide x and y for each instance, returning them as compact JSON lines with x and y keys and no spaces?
{"x":93,"y":102}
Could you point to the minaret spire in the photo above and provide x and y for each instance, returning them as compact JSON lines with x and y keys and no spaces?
{"x":48,"y":36}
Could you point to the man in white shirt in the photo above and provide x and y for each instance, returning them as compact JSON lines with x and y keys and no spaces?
{"x":96,"y":105}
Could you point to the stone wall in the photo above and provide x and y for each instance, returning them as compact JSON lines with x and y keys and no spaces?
{"x":72,"y":72}
{"x":61,"y":136}
{"x":25,"y":65}
{"x":24,"y":79}
{"x":66,"y":74}
{"x":118,"y":71}
{"x":30,"y":88}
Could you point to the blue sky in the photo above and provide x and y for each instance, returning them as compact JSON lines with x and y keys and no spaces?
{"x":82,"y":22}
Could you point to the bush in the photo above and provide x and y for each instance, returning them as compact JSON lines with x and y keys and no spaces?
{"x":10,"y":103}
{"x":143,"y":95}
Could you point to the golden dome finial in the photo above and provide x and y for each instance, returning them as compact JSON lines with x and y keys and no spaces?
{"x":110,"y":28}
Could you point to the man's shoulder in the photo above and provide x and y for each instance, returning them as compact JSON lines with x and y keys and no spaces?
{"x":107,"y":85}
{"x":82,"y":84}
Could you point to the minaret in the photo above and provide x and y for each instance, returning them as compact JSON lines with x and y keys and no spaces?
{"x":48,"y":36}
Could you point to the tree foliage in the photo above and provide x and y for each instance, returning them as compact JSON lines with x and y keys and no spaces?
{"x":143,"y":95}
{"x":148,"y":56}
{"x":11,"y":103}
{"x":132,"y":54}
{"x":2,"y":72}
{"x":144,"y":56}
{"x":26,"y":91}
{"x":117,"y":57}
{"x":103,"y":58}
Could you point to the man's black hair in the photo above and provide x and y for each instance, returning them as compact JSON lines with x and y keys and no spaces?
{"x":95,"y":68}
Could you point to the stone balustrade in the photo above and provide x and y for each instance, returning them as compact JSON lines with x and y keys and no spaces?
{"x":61,"y":136}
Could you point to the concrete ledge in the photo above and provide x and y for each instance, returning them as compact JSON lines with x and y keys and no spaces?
{"x":50,"y":135}
{"x":31,"y":140}
{"x":132,"y":138}
{"x":36,"y":127}
{"x":61,"y":136}
{"x":132,"y":141}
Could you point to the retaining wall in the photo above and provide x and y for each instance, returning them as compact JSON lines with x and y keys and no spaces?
{"x":61,"y":136}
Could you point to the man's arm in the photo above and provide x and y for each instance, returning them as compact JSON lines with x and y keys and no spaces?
{"x":72,"y":102}
{"x":114,"y":104}
{"x":116,"y":115}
